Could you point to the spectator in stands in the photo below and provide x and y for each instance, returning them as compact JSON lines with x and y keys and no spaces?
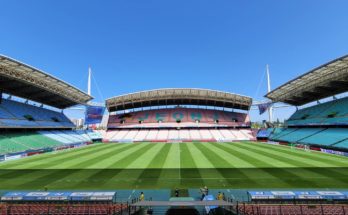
{"x":142,"y":196}
{"x":223,"y":197}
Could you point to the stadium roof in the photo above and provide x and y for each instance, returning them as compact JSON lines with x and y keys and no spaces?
{"x":324,"y":81}
{"x":22,"y":80}
{"x":178,"y":96}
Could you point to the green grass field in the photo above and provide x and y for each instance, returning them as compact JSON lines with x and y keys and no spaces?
{"x":184,"y":165}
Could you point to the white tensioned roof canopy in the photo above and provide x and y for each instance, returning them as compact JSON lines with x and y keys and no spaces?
{"x":324,"y":81}
{"x":22,"y":80}
{"x":178,"y":96}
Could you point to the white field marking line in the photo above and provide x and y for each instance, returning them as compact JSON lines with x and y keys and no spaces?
{"x":130,"y":179}
{"x":179,"y":169}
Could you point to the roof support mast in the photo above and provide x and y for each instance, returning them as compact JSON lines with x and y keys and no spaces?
{"x":270,"y":110}
{"x":89,"y":81}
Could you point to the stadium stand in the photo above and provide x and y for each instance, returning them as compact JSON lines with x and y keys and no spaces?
{"x":176,"y":122}
{"x":185,"y":117}
{"x":322,"y":125}
{"x":15,"y":114}
{"x":63,"y":209}
{"x":332,"y":112}
{"x":343,"y":144}
{"x":259,"y":209}
{"x":161,"y":135}
{"x":325,"y":137}
{"x":27,"y":127}
{"x":13,"y":142}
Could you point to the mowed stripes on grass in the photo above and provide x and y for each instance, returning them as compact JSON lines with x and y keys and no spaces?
{"x":184,"y":165}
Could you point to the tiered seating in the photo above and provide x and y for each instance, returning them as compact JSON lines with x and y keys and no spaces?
{"x":282,"y":132}
{"x":343,"y":144}
{"x":217,"y":135}
{"x":300,"y":134}
{"x":102,"y":133}
{"x":62,"y":209}
{"x":152,"y":135}
{"x":131,"y":135}
{"x":205,"y":134}
{"x":119,"y":135}
{"x":18,"y":142}
{"x":110,"y":135}
{"x":327,"y":137}
{"x":227,"y":134}
{"x":141,"y":136}
{"x":173,"y":135}
{"x":160,"y":135}
{"x":253,"y":209}
{"x":9,"y":146}
{"x":66,"y":137}
{"x":12,"y":142}
{"x":239,"y":135}
{"x":14,"y":114}
{"x":184,"y":135}
{"x":248,"y":134}
{"x":333,"y":112}
{"x":194,"y":134}
{"x":333,"y":137}
{"x":78,"y":135}
{"x":188,"y":117}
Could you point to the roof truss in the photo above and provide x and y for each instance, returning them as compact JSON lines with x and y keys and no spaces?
{"x":327,"y":80}
{"x":25,"y":81}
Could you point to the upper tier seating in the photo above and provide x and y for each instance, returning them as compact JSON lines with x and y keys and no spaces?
{"x":332,"y":112}
{"x":188,"y":117}
{"x":15,"y":114}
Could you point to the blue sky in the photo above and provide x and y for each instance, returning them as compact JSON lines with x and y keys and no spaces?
{"x":140,"y":45}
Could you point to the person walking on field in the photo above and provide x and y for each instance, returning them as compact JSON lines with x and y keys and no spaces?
{"x":219,"y":196}
{"x":176,"y":192}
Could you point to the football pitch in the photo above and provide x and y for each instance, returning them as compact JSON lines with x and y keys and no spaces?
{"x":170,"y":165}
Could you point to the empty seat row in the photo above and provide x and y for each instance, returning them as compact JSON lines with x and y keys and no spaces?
{"x":125,"y":135}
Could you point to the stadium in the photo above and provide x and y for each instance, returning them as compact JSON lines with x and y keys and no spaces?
{"x":173,"y":145}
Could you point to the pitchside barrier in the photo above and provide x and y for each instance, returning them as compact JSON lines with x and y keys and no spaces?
{"x":59,"y":196}
{"x":257,"y":196}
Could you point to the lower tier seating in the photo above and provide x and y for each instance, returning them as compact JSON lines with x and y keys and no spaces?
{"x":13,"y":142}
{"x":255,"y":209}
{"x":333,"y":137}
{"x":62,"y":209}
{"x":125,"y":135}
